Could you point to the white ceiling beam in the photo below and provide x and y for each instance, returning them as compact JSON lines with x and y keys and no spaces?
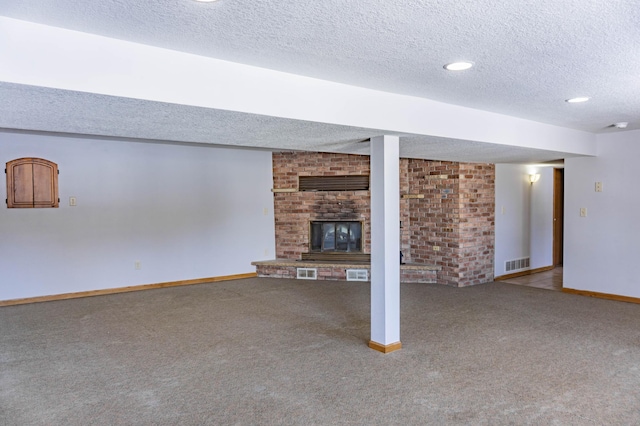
{"x":39,"y":55}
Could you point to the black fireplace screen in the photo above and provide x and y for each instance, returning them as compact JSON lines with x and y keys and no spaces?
{"x":336,"y":236}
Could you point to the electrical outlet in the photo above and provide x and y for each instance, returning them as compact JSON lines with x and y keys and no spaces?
{"x":583,"y":212}
{"x":138,"y":265}
{"x":72,"y":201}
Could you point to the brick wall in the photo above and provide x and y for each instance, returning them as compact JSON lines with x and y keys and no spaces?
{"x":477,"y":223}
{"x":294,"y":211}
{"x":452,"y":227}
{"x":433,"y":220}
{"x":405,"y":219}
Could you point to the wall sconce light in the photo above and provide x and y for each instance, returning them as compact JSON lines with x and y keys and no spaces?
{"x":534,"y":178}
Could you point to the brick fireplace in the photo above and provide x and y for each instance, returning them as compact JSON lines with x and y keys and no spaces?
{"x":446,"y":213}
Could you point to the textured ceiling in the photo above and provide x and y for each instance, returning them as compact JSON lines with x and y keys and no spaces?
{"x":530,"y":55}
{"x":36,"y":109}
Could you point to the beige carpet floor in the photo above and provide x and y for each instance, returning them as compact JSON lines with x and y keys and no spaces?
{"x":269,"y":351}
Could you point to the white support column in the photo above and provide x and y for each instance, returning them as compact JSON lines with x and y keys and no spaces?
{"x":385,"y":244}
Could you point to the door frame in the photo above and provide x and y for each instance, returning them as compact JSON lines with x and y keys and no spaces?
{"x":558,"y":216}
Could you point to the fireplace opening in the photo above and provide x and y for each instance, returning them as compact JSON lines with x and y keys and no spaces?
{"x":336,"y":236}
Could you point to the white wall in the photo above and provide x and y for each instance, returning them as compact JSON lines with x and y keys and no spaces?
{"x":184,"y":212}
{"x":524,"y":216}
{"x":601,"y":251}
{"x":541,"y":225}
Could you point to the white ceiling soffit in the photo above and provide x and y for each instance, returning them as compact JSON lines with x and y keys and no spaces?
{"x":40,"y":109}
{"x":529,"y":56}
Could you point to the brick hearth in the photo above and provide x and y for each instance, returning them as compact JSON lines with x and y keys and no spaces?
{"x":283,"y":268}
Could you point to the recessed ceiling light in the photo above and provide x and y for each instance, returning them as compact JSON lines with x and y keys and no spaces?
{"x":458,"y":66}
{"x":577,"y":100}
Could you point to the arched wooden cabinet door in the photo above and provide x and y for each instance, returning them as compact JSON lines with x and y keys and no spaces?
{"x":32,"y":183}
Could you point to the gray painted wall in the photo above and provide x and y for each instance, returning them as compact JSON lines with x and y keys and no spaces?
{"x":184,"y":212}
{"x":525,"y":227}
{"x":601,"y":251}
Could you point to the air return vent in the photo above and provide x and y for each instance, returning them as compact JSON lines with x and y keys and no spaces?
{"x":516,"y":264}
{"x":307,"y":273}
{"x":357,"y":275}
{"x":333,"y":183}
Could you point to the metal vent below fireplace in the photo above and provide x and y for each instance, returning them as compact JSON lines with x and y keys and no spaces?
{"x":357,"y":275}
{"x":306,"y":273}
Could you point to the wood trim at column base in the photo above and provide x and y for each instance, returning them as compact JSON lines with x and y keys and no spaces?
{"x":90,"y":293}
{"x":385,"y":349}
{"x":602,"y":295}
